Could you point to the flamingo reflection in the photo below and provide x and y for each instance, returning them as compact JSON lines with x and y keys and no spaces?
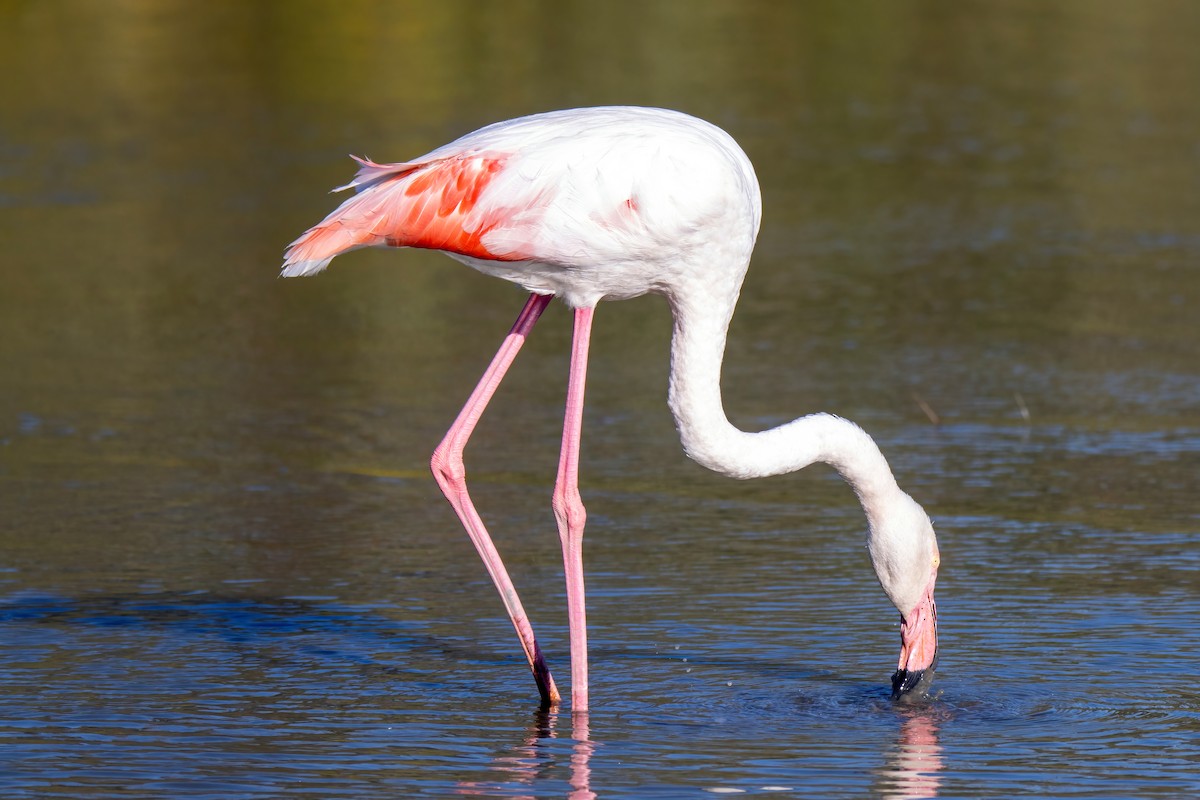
{"x":911,"y":769}
{"x":536,"y":760}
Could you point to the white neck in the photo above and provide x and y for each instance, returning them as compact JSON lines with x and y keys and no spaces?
{"x":697,"y":349}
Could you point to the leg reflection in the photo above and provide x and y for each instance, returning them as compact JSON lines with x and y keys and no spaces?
{"x":539,"y":758}
{"x":581,"y":757}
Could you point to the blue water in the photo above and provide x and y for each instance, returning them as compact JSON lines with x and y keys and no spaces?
{"x":202,"y":695}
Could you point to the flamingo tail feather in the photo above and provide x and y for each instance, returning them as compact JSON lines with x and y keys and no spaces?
{"x":360,"y":221}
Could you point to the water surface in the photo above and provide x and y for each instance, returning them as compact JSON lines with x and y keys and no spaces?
{"x":225,"y":571}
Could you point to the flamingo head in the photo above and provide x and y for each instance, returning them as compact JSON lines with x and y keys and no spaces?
{"x":905,"y":555}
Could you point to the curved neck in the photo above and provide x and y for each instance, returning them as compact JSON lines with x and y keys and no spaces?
{"x":697,"y":349}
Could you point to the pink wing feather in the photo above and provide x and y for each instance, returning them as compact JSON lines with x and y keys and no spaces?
{"x":415,"y":204}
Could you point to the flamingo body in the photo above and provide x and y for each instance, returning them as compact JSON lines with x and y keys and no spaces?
{"x":606,"y":204}
{"x":586,"y":205}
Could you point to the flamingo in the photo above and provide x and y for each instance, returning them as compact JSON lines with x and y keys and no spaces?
{"x":611,"y":203}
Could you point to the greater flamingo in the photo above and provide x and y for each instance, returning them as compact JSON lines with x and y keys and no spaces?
{"x":606,"y":204}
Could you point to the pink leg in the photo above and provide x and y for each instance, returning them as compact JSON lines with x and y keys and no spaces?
{"x":569,"y":510}
{"x":451,"y":475}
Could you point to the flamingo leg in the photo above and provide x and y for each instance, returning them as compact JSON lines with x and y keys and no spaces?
{"x":451,"y":476}
{"x":569,"y":510}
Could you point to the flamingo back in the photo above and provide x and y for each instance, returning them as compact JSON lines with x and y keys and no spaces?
{"x":584,"y":204}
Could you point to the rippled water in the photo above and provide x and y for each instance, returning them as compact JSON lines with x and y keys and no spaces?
{"x":225,"y":571}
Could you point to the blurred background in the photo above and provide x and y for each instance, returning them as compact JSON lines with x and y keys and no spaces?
{"x":961,"y":201}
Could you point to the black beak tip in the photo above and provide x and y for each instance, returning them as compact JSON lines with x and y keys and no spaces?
{"x":906,"y":681}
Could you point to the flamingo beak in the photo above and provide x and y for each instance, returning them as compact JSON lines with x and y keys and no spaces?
{"x":918,"y":646}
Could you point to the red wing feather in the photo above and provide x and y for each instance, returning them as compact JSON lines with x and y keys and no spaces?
{"x":406,"y":205}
